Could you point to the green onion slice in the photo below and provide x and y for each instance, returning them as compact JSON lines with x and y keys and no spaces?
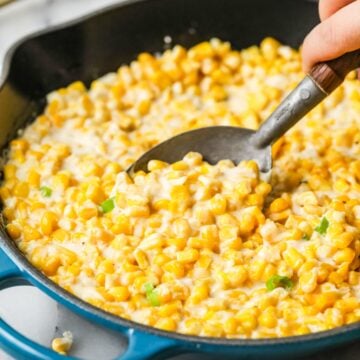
{"x":279,"y":281}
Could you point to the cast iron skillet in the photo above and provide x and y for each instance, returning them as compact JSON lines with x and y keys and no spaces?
{"x":94,"y":46}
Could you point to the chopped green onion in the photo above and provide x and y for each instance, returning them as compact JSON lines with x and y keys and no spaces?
{"x":305,"y":237}
{"x":279,"y":281}
{"x":323,"y":226}
{"x":107,"y":205}
{"x":151,"y":296}
{"x":45,"y":191}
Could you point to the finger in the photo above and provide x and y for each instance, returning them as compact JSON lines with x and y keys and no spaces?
{"x":335,"y":36}
{"x":329,"y":7}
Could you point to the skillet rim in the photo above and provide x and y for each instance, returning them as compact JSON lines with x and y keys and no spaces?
{"x":101,"y":317}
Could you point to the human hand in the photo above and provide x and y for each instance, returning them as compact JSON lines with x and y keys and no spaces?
{"x":337,"y":34}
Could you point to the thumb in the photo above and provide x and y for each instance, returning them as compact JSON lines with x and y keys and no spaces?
{"x":335,"y":36}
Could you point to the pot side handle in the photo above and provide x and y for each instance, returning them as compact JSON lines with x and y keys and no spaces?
{"x":8,"y":269}
{"x":12,"y":341}
{"x":145,"y":346}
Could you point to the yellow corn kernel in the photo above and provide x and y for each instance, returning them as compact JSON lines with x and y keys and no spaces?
{"x":199,"y":293}
{"x":120,"y":293}
{"x":105,"y":293}
{"x":19,"y":144}
{"x":325,"y":300}
{"x":308,"y":281}
{"x":30,"y":233}
{"x":247,"y":223}
{"x":100,"y":279}
{"x":269,"y":48}
{"x":161,"y":204}
{"x":106,"y":266}
{"x":247,"y":318}
{"x":347,"y":305}
{"x":278,"y":205}
{"x":139,"y":211}
{"x":343,"y":240}
{"x":263,"y":189}
{"x":175,"y":268}
{"x":13,"y":230}
{"x":344,"y":255}
{"x":187,"y":256}
{"x":48,"y":222}
{"x":160,"y":259}
{"x":218,"y":204}
{"x":228,"y":232}
{"x":268,"y":317}
{"x":144,"y":106}
{"x":269,"y":271}
{"x":156,"y":165}
{"x":9,"y":171}
{"x":230,"y":326}
{"x":204,"y":261}
{"x":4,"y":193}
{"x":167,"y":324}
{"x":22,"y":209}
{"x":200,"y":243}
{"x":209,"y":233}
{"x":204,"y":216}
{"x":293,"y":258}
{"x":257,"y":101}
{"x":354,"y":278}
{"x":254,"y":200}
{"x":170,"y":308}
{"x":88,"y":213}
{"x":181,"y":228}
{"x":351,"y":318}
{"x":51,"y":265}
{"x":201,"y":51}
{"x":63,"y":344}
{"x":61,"y":180}
{"x":341,"y":185}
{"x":141,"y":259}
{"x":243,"y":189}
{"x":34,"y":178}
{"x":179,"y":165}
{"x":67,"y":256}
{"x":237,"y":276}
{"x":180,"y":243}
{"x":122,"y":225}
{"x":256,"y":270}
{"x":21,"y":189}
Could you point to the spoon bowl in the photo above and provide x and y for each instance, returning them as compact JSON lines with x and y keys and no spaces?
{"x":215,"y":143}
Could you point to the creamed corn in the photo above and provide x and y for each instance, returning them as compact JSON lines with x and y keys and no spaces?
{"x":209,"y":250}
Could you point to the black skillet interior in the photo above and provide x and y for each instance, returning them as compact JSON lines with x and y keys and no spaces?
{"x":101,"y":44}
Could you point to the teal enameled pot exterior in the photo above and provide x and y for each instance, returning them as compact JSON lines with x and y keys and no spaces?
{"x":93,"y":46}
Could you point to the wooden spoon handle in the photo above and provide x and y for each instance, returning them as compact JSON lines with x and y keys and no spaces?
{"x":330,"y":74}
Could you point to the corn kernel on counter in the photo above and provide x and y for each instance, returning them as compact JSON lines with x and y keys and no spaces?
{"x":208,"y":250}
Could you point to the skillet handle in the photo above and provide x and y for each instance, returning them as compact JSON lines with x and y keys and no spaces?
{"x":14,"y":343}
{"x":145,"y":346}
{"x":8,"y":269}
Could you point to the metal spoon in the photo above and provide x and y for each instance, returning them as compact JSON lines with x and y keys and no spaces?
{"x":227,"y":142}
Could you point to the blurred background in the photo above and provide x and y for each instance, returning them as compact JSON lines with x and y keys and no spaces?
{"x":19,"y":18}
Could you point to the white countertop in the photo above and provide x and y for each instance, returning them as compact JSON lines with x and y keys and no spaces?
{"x":26,"y":308}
